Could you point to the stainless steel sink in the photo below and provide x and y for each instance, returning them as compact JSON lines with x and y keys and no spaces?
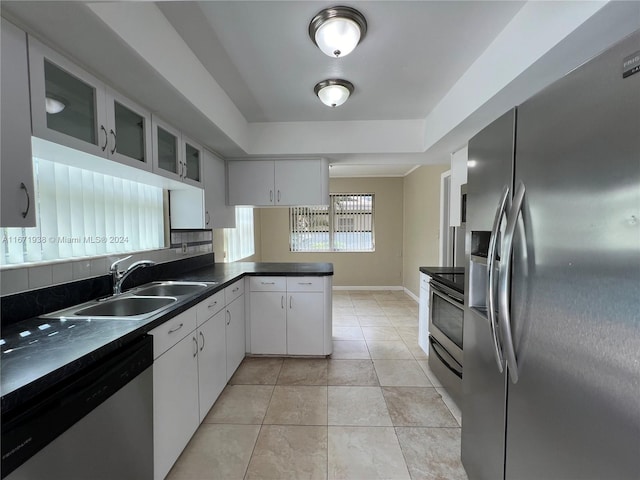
{"x":126,"y":307}
{"x":170,"y":289}
{"x":137,"y":304}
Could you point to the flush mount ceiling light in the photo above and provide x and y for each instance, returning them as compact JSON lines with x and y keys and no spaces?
{"x":333,"y":92}
{"x":337,"y":30}
{"x":53,"y":105}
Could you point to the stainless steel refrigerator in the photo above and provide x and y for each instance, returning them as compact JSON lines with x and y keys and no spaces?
{"x":551,"y":384}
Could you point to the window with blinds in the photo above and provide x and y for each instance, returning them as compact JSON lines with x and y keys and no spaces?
{"x":81,"y":213}
{"x":239,"y":241}
{"x":345,"y":225}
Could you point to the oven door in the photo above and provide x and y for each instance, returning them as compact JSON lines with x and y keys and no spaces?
{"x":446,"y":319}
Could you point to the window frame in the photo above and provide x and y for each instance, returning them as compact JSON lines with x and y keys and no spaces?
{"x":333,"y":220}
{"x":229,"y":232}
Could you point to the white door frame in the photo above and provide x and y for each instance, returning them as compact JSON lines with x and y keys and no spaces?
{"x":444,"y":248}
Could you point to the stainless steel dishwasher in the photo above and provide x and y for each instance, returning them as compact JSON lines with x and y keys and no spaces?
{"x":98,"y":426}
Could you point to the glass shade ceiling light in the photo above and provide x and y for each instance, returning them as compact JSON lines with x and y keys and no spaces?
{"x":333,"y":92}
{"x":337,"y":30}
{"x":53,"y":105}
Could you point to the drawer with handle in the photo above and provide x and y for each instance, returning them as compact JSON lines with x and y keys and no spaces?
{"x":172,"y":331}
{"x":268,"y":284}
{"x":233,"y":291}
{"x":209,"y":307}
{"x":305,"y":284}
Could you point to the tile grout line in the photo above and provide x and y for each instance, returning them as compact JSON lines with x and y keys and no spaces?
{"x":246,"y":471}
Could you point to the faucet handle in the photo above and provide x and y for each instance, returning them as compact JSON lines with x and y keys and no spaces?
{"x":114,"y":265}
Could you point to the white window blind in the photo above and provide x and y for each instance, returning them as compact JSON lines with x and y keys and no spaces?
{"x":238,"y":242}
{"x":81,"y":213}
{"x":345,"y":225}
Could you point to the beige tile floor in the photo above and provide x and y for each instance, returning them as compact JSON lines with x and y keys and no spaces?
{"x":373,"y":410}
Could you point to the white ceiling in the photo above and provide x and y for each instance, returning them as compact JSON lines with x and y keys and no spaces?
{"x":239,"y":75}
{"x":261,"y":54}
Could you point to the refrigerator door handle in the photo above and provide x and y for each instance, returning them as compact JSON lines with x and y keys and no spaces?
{"x":504,"y":279}
{"x":491,"y":257}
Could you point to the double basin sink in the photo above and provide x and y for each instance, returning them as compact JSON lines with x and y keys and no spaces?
{"x":136,"y":304}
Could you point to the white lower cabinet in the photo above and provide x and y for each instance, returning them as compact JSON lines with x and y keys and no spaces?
{"x":305,"y":323}
{"x":423,"y":313}
{"x":195,"y":353}
{"x":212,"y":361}
{"x":269,"y":331}
{"x":290,"y":315}
{"x":175,"y":402}
{"x":235,"y":334}
{"x":268,"y":315}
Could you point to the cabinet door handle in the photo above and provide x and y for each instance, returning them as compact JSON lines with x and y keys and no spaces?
{"x":207,"y":217}
{"x":176,"y":329}
{"x":115,"y":141}
{"x":271,"y":196}
{"x":106,"y":138}
{"x":282,"y":301}
{"x":304,"y":283}
{"x":228,"y":317}
{"x":26,"y":192}
{"x":235,"y":289}
{"x":278,"y":196}
{"x":202,"y":336}
{"x":291,"y":302}
{"x":195,"y":341}
{"x":268,"y":283}
{"x":184,"y":166}
{"x":211,"y":305}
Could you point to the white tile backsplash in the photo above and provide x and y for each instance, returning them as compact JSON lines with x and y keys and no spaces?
{"x":62,"y":272}
{"x":14,"y":281}
{"x":41,"y":276}
{"x":99,"y":267}
{"x":81,"y":269}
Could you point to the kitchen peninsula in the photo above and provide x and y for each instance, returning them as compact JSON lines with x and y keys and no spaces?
{"x":43,"y":353}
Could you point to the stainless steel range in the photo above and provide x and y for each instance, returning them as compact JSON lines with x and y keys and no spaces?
{"x":446,"y":322}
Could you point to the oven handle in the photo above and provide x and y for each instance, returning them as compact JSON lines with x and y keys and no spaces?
{"x":504,"y":280}
{"x":491,"y":257}
{"x":446,"y":291}
{"x":435,"y":345}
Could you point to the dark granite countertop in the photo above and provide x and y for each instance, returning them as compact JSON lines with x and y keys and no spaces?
{"x":438,"y":270}
{"x":52,"y":350}
{"x":452,"y":277}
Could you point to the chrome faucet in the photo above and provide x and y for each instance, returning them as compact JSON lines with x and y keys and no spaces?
{"x":119,"y":276}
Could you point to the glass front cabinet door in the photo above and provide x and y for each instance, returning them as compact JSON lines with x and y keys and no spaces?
{"x":129,"y":132}
{"x":174,"y":155}
{"x":193,"y":155}
{"x":72,"y":108}
{"x":167,"y":158}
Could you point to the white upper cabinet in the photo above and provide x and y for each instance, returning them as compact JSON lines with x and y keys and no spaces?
{"x":301,"y":182}
{"x":217,"y":213}
{"x":16,"y":169}
{"x":192,"y":164}
{"x":174,"y":155}
{"x":251,"y":182}
{"x":73,"y":108}
{"x":193,"y":208}
{"x":278,"y":182}
{"x":129,"y":132}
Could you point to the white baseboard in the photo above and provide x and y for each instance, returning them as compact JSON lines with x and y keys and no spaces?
{"x":397,"y":288}
{"x":411,"y":294}
{"x":376,"y":287}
